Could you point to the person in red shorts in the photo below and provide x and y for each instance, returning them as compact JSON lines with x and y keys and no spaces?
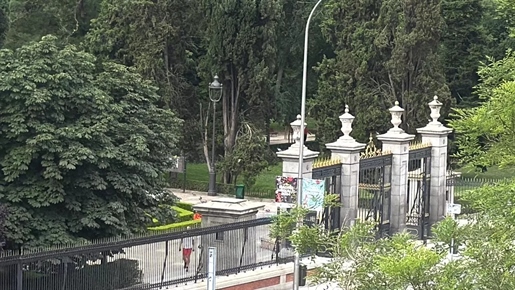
{"x":187,"y":245}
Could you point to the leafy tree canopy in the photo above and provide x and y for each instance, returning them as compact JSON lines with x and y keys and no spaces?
{"x":83,"y":146}
{"x":486,"y":134}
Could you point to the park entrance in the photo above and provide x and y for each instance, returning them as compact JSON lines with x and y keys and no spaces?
{"x":374,"y":190}
{"x":329,"y":170}
{"x":418,"y":191}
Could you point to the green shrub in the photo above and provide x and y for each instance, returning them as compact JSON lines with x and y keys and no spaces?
{"x":118,"y":274}
{"x":177,"y":226}
{"x":183,"y":214}
{"x":184,"y":205}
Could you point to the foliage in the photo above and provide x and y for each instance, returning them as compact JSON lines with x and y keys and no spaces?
{"x":243,"y":54}
{"x":464,"y":44}
{"x":251,"y":155}
{"x":166,"y":214}
{"x":386,"y":51}
{"x":158,"y":39}
{"x":183,"y":214}
{"x":3,"y":218}
{"x":184,"y":205}
{"x":29,"y":20}
{"x":362,"y":261}
{"x":83,"y":145}
{"x":121,"y":273}
{"x":485,"y":134}
{"x":176,"y":226}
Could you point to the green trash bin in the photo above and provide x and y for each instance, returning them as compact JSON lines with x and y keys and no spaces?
{"x":240,"y":191}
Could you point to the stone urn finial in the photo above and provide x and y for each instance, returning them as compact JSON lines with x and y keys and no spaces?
{"x":396,"y":113}
{"x":346,"y":119}
{"x":295,"y":125}
{"x":435,"y":107}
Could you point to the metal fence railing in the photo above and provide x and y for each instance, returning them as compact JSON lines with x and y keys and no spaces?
{"x":457,"y":186}
{"x":147,"y":262}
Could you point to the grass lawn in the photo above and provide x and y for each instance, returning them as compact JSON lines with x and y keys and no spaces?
{"x":493,"y":172}
{"x":264,"y":182}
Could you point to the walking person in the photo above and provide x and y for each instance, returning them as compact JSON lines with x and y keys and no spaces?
{"x":187,"y":245}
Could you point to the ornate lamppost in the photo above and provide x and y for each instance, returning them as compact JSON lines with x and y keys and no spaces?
{"x":215,"y":94}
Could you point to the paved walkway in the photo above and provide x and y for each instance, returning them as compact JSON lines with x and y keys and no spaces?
{"x":195,"y":197}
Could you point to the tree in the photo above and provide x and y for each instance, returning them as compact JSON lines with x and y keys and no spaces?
{"x":30,"y":20}
{"x":250,"y":156}
{"x":464,"y":45}
{"x":385,"y":52}
{"x":243,"y":54}
{"x":290,"y":51}
{"x":84,"y":146}
{"x":485,"y":134}
{"x":159,"y":39}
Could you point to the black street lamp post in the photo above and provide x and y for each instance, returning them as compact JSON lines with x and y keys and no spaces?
{"x":215,"y":94}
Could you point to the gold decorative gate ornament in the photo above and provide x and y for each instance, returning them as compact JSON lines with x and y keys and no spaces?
{"x":371,"y":150}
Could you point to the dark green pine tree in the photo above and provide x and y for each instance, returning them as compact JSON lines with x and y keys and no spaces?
{"x":240,"y":42}
{"x":386,"y":51}
{"x":463,"y":47}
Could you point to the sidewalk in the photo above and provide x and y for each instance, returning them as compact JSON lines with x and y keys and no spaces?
{"x":196,"y":197}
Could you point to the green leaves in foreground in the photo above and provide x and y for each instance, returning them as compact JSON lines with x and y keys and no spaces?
{"x":483,"y":242}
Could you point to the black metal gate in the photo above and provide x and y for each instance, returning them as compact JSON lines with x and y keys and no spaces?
{"x":330,"y":172}
{"x":374,"y":191}
{"x":418,"y":191}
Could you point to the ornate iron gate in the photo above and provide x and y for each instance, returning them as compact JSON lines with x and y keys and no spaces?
{"x":418,"y":191}
{"x":374,"y":191}
{"x":330,"y":171}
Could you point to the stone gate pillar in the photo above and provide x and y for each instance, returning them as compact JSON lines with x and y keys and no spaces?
{"x":436,"y":134}
{"x":290,"y":157}
{"x":397,"y":141}
{"x":229,"y":244}
{"x":347,"y":150}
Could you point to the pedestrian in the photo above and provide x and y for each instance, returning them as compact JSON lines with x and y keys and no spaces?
{"x":187,"y":245}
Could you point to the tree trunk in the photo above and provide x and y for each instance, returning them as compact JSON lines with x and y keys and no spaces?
{"x":277,"y":93}
{"x":204,"y":131}
{"x":230,"y":113}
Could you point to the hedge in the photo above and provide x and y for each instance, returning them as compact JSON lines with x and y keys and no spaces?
{"x":176,"y":226}
{"x":184,"y":205}
{"x":117,"y":274}
{"x":183,"y":214}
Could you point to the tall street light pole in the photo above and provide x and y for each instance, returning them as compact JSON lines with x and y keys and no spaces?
{"x":296,"y":271}
{"x":215,"y":94}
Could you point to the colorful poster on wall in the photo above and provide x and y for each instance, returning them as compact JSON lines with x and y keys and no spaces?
{"x":285,"y":190}
{"x":313,"y":194}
